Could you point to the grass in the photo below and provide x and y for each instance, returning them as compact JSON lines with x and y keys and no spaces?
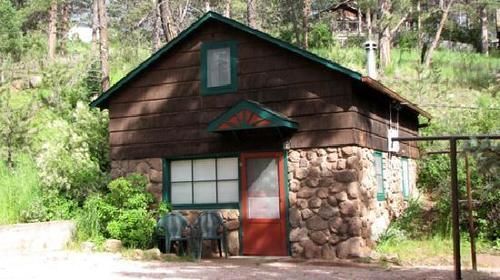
{"x":434,"y":251}
{"x":19,"y":188}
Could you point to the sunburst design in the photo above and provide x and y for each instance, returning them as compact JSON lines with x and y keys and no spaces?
{"x":244,"y":119}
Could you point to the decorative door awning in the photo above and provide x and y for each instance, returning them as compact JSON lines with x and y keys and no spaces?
{"x":246,"y":115}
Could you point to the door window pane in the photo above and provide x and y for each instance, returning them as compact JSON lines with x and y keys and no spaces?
{"x":227,"y":168}
{"x":181,"y":193}
{"x":263,"y":188}
{"x":204,"y":192}
{"x":228,"y":191}
{"x":218,"y":67}
{"x":203,"y":169}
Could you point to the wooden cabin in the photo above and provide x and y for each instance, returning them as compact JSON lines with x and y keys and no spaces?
{"x":292,"y":149}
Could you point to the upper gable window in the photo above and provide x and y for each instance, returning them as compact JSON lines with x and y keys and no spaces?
{"x":218,"y":67}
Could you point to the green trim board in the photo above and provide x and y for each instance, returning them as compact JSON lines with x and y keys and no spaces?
{"x":102,"y":100}
{"x":287,"y":202}
{"x":248,"y":114}
{"x":166,"y":179}
{"x":380,"y":189}
{"x":233,"y":56}
{"x":405,"y":180}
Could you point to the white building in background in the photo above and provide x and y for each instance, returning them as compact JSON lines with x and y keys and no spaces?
{"x":81,"y":32}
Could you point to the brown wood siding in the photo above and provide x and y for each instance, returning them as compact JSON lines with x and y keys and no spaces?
{"x":162,"y":114}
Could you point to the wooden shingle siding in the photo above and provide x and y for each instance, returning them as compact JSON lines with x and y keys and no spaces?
{"x":162,"y":114}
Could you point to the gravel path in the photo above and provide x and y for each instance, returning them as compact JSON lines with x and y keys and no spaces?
{"x":75,"y":265}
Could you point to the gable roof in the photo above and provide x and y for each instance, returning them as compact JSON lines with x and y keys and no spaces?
{"x":248,"y":114}
{"x":102,"y":100}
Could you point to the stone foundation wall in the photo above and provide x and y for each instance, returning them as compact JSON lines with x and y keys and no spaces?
{"x":394,"y":204}
{"x":333,"y":204}
{"x":150,"y":167}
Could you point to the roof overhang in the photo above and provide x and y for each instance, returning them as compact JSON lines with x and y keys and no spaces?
{"x":378,"y":86}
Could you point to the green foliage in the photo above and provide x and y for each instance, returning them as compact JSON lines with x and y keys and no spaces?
{"x":487,"y":155}
{"x":321,"y":36}
{"x":134,"y":227}
{"x":10,"y":30}
{"x":407,"y":40}
{"x":355,"y":41}
{"x":124,"y":213}
{"x":15,"y":129}
{"x":19,"y":189}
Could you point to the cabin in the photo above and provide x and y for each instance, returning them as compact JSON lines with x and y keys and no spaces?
{"x":293,"y":150}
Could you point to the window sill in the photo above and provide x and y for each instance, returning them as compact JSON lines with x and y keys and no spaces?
{"x":205,"y":206}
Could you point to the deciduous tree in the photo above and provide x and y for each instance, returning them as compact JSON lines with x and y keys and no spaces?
{"x":52,"y":31}
{"x":103,"y":44}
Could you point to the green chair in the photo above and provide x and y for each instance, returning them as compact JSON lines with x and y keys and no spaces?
{"x":172,"y":226}
{"x":209,"y":226}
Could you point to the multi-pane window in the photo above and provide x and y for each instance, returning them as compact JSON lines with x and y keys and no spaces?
{"x":405,"y":178}
{"x":218,"y":67}
{"x":204,"y":181}
{"x":379,"y":175}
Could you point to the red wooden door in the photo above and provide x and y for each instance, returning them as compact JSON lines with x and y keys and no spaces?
{"x":263,"y":204}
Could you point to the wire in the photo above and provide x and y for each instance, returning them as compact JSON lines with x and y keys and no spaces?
{"x":459,"y":107}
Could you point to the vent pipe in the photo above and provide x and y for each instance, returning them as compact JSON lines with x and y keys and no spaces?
{"x":371,"y":59}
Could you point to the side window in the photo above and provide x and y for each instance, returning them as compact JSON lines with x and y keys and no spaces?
{"x":379,"y":174}
{"x":219,"y":67}
{"x":405,"y":178}
{"x":209,"y":181}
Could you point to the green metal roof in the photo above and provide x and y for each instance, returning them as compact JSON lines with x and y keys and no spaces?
{"x":101,"y":101}
{"x":248,"y":114}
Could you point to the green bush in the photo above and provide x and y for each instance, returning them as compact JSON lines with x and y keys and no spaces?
{"x":134,"y":227}
{"x":407,"y":39}
{"x":124,"y":213}
{"x":19,"y":189}
{"x":321,"y":36}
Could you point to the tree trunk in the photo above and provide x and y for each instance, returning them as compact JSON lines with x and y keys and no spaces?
{"x":306,"y":12}
{"x":168,"y":28}
{"x":156,"y":28}
{"x":207,"y":5}
{"x":52,"y":30}
{"x":419,"y":25}
{"x":252,"y":13}
{"x":360,"y":21}
{"x":385,"y":34}
{"x":497,"y":19}
{"x":103,"y":42}
{"x":63,"y":33}
{"x":95,"y":27}
{"x":369,"y":23}
{"x":434,"y":44}
{"x":227,"y":8}
{"x":483,"y":12}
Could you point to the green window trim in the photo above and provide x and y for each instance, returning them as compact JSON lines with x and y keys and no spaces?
{"x":405,"y":182}
{"x":167,"y":190}
{"x":233,"y":50}
{"x":380,"y":189}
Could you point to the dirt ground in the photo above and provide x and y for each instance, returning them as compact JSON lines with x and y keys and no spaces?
{"x":93,"y":266}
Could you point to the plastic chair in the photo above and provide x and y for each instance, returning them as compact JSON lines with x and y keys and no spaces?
{"x":172,"y":226}
{"x":209,"y":226}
